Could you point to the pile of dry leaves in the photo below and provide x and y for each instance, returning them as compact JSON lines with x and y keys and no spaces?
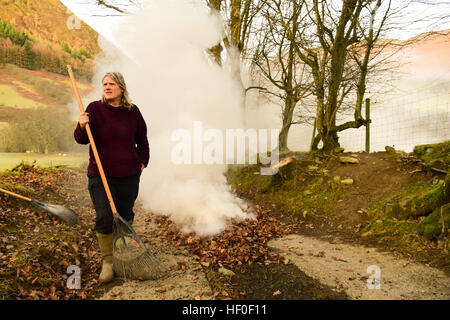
{"x":242,"y":242}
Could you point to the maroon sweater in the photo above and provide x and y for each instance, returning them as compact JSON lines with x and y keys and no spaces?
{"x":120,"y":136}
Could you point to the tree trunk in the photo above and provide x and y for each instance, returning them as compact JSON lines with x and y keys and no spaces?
{"x":315,"y":143}
{"x":285,"y":173}
{"x":287,"y":122}
{"x":283,"y":138}
{"x":330,"y":142}
{"x":234,"y":47}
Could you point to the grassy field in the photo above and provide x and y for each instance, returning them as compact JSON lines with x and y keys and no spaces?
{"x":80,"y":85}
{"x":75,"y":160}
{"x":10,"y":97}
{"x":27,"y":87}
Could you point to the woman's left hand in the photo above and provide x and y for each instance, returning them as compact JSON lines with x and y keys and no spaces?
{"x":142,"y":167}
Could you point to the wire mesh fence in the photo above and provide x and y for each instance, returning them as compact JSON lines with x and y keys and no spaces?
{"x":415,"y":117}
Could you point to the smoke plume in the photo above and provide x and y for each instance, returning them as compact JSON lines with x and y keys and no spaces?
{"x":172,"y":81}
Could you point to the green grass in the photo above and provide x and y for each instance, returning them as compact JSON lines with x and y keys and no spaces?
{"x":27,"y":87}
{"x":292,"y":195}
{"x":10,"y":160}
{"x":10,"y":97}
{"x":80,"y":85}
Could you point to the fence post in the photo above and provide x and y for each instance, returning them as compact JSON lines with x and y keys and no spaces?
{"x":368,"y":125}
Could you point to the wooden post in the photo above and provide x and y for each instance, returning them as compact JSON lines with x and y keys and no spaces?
{"x":368,"y":125}
{"x":313,"y":135}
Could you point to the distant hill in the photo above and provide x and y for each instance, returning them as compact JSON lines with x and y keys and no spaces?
{"x":45,"y":35}
{"x":33,"y":110}
{"x":48,"y":21}
{"x":26,"y":89}
{"x":428,"y":57}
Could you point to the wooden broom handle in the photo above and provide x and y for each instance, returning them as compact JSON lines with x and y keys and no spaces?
{"x":15,"y":195}
{"x":91,"y":140}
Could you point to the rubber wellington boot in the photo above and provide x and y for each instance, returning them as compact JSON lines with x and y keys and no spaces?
{"x":105,"y":242}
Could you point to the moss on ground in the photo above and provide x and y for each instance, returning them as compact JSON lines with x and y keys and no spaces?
{"x":395,"y":222}
{"x":417,"y":199}
{"x":434,"y":155}
{"x":293,"y":190}
{"x":435,"y":226}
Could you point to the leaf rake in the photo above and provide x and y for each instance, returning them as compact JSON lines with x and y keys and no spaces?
{"x":66,"y":215}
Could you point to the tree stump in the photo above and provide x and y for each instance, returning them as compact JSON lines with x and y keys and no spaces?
{"x":285,"y":168}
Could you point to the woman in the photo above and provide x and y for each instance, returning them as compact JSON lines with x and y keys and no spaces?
{"x":120,"y":135}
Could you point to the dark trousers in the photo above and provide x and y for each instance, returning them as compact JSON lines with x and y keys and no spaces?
{"x":124,"y":192}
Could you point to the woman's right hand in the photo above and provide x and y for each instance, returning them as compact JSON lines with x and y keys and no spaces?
{"x":83,"y":119}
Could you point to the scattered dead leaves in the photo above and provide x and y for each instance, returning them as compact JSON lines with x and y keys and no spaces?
{"x":35,"y":247}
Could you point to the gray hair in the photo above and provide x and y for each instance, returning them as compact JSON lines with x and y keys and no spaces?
{"x":118,"y":78}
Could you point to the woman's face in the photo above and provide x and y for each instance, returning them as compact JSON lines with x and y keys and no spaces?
{"x":111,"y":89}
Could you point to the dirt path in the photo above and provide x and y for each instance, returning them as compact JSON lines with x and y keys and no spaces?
{"x":185,"y":279}
{"x":344,"y":267}
{"x":338,"y":265}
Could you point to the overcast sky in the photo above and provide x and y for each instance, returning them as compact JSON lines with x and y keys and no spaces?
{"x":103,"y":19}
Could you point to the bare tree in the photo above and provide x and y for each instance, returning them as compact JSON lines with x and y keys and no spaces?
{"x":275,"y":58}
{"x":41,"y":132}
{"x":324,"y":48}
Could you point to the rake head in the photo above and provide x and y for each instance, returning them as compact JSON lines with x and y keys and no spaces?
{"x":131,"y":258}
{"x":67,"y":215}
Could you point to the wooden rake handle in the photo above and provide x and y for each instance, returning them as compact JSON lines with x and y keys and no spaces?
{"x":15,"y":195}
{"x":91,"y":140}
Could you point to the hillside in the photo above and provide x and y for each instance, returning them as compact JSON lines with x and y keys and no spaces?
{"x":37,"y":41}
{"x":24,"y":89}
{"x":33,"y":112}
{"x":46,"y":36}
{"x":47,"y":21}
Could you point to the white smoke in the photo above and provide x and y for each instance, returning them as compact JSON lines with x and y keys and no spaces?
{"x":174,"y":84}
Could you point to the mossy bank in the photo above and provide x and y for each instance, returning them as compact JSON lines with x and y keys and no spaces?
{"x":391,"y":199}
